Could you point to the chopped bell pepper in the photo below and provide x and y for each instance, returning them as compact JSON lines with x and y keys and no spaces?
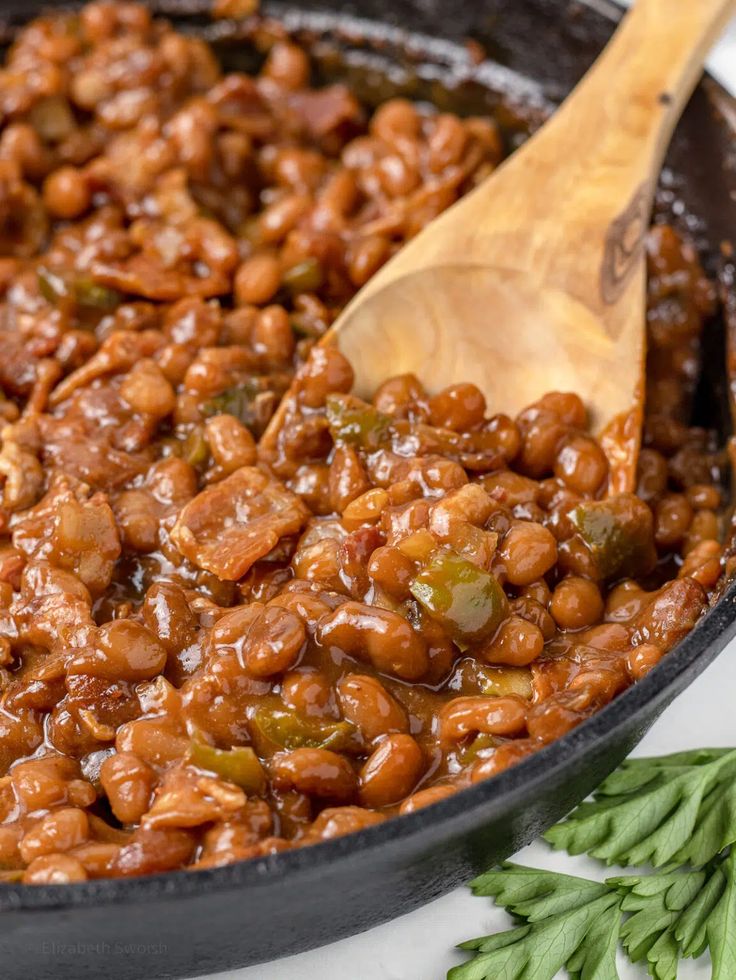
{"x":76,"y":291}
{"x":239,"y":765}
{"x":619,"y":533}
{"x":500,"y":681}
{"x":237,"y":401}
{"x":480,"y":743}
{"x":195,"y":449}
{"x":465,"y":599}
{"x":289,"y":730}
{"x":357,"y":422}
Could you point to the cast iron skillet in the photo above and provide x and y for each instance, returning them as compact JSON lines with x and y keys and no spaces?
{"x":183,"y":924}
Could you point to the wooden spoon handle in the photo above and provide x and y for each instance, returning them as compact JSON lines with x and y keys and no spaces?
{"x":585,"y":183}
{"x":619,"y":123}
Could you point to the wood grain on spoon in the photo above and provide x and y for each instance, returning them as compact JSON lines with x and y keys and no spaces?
{"x":535,"y":281}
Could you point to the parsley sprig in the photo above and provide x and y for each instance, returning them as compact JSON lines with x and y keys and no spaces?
{"x":568,"y":921}
{"x":676,"y":808}
{"x":678,"y":811}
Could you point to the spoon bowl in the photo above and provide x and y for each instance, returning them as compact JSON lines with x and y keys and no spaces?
{"x":535,"y":281}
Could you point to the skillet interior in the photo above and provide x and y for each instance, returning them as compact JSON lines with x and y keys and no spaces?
{"x":183,"y":924}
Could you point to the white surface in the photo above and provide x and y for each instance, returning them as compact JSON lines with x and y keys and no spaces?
{"x":419,"y":946}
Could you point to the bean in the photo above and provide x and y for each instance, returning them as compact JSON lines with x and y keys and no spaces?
{"x":301,"y":169}
{"x":703,"y":563}
{"x":327,"y":371}
{"x":368,"y":705}
{"x":231,"y":444}
{"x":348,"y":478}
{"x":400,"y":396}
{"x":517,"y":643}
{"x":392,"y":771}
{"x":168,"y":616}
{"x":310,"y":693}
{"x":703,"y":496}
{"x":383,"y":637}
{"x":390,"y":569}
{"x":539,"y":591}
{"x":651,"y":475}
{"x":147,"y":390}
{"x":151,"y":851}
{"x":365,"y":509}
{"x":396,"y":121}
{"x":125,"y":650}
{"x":58,"y":831}
{"x":528,"y":551}
{"x":54,"y":869}
{"x":257,"y":279}
{"x":66,"y":193}
{"x":673,"y":514}
{"x":341,"y":820}
{"x":447,"y":142}
{"x":274,"y":642}
{"x":128,"y":783}
{"x":493,"y":716}
{"x":315,"y":772}
{"x":582,"y":464}
{"x":459,"y":407}
{"x":640,"y":660}
{"x":287,"y":65}
{"x":576,"y":603}
{"x":366,"y":256}
{"x":704,"y":527}
{"x":534,"y":612}
{"x":426,"y":797}
{"x":277,"y":220}
{"x":542,"y":433}
{"x":503,"y":757}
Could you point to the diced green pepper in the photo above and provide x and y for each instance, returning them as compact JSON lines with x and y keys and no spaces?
{"x":239,"y":765}
{"x":290,"y":730}
{"x":482,"y":741}
{"x":499,"y":681}
{"x":196,"y":449}
{"x":93,"y":295}
{"x":78,"y":290}
{"x":236,"y":401}
{"x":356,"y":422}
{"x":619,"y":533}
{"x":304,"y":277}
{"x":467,"y":600}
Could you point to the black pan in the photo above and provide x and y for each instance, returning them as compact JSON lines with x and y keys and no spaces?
{"x":183,"y":924}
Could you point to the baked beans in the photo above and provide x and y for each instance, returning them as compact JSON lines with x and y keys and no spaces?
{"x":211,"y":651}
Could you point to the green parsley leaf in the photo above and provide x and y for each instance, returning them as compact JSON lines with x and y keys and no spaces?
{"x":691,"y":928}
{"x":533,"y":894}
{"x":678,"y":811}
{"x":720,"y":926}
{"x":570,"y":921}
{"x":595,"y":959}
{"x":656,"y":903}
{"x":653,"y":811}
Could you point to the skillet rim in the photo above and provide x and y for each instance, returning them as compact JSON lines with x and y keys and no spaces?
{"x":668,"y":679}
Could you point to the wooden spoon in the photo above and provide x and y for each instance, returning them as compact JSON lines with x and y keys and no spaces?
{"x":535,"y":281}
